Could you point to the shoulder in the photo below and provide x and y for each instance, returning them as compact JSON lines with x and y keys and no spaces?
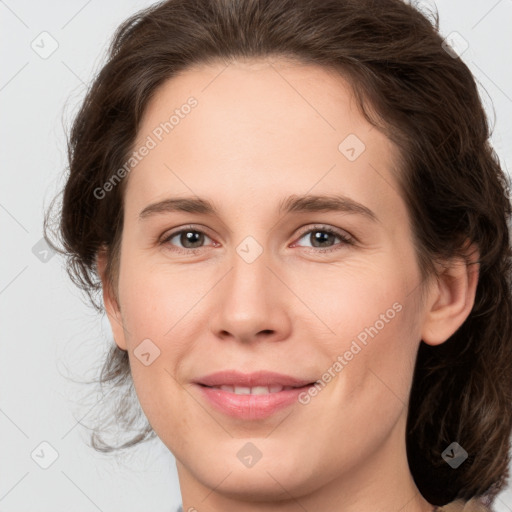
{"x":473,"y":505}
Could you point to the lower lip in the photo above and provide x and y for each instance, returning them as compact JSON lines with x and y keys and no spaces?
{"x":251,"y":407}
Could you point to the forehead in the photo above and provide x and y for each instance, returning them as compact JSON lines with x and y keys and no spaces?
{"x":275,"y":96}
{"x":259,"y":126}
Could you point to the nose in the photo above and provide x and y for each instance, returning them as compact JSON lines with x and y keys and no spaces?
{"x":251,"y":302}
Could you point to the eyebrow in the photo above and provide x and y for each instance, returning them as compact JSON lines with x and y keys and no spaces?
{"x":291,"y":204}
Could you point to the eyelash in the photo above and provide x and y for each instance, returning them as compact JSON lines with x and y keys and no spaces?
{"x":346,"y":239}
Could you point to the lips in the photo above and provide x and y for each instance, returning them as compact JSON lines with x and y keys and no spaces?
{"x":251,"y":396}
{"x":259,"y":379}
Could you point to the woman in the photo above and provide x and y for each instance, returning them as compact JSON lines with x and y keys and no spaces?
{"x":299,"y":229}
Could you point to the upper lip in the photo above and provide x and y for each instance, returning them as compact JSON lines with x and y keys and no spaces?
{"x":259,"y":378}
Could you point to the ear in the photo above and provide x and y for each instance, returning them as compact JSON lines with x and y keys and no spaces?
{"x":110,"y":301}
{"x":451,"y":298}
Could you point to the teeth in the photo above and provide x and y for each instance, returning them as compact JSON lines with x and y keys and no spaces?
{"x":262,"y":390}
{"x":256,"y":390}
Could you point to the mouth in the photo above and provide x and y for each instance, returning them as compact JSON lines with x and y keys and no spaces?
{"x":271,"y":381}
{"x":256,"y":390}
{"x":251,"y":396}
{"x":252,"y":403}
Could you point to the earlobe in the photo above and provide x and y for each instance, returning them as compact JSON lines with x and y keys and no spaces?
{"x":451,"y":298}
{"x":110,"y":302}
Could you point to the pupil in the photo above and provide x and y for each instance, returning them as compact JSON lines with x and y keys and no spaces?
{"x":192,"y":237}
{"x":321,"y":237}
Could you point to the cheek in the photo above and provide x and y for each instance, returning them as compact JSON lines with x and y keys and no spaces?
{"x":372,"y":320}
{"x":157,"y":299}
{"x":350,"y":299}
{"x":158,"y":306}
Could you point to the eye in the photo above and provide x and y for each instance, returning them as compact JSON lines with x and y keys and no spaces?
{"x":321,"y":238}
{"x":190,"y":238}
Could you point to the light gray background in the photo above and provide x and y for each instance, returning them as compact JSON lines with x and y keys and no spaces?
{"x":48,"y":332}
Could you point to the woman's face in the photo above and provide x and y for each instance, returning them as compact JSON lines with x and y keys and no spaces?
{"x":325,"y":289}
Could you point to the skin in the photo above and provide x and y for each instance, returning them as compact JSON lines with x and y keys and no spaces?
{"x":264,"y":130}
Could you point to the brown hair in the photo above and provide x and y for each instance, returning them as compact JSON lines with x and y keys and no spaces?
{"x":425,"y":100}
